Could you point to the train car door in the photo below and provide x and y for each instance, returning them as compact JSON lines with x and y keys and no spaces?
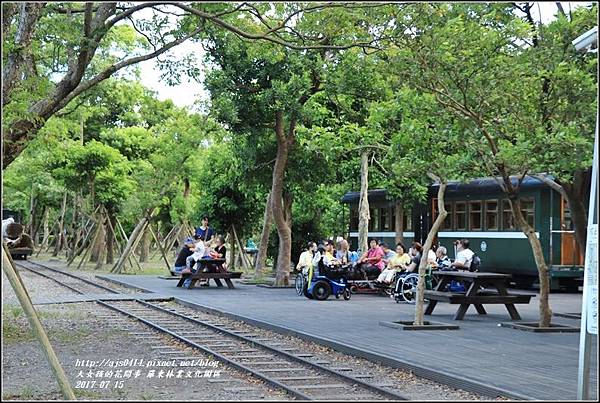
{"x":570,"y":253}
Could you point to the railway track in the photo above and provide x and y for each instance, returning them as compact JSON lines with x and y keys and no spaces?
{"x":71,"y":281}
{"x":302,"y":376}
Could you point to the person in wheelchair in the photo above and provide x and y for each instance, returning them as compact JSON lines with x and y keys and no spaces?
{"x":306,"y":258}
{"x":371,"y":262}
{"x":396,"y":264}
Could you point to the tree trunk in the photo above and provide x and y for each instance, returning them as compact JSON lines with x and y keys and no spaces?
{"x":263,"y":245}
{"x":101,"y":241}
{"x":423,"y":263}
{"x":538,"y":255}
{"x":60,"y":237}
{"x":32,"y":223}
{"x":12,"y":70}
{"x":284,"y":231}
{"x":110,"y":237}
{"x":145,"y":246}
{"x":577,"y":194}
{"x":399,"y":223}
{"x":46,"y":229}
{"x":363,"y":204}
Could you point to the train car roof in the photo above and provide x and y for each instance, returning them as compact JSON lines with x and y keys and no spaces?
{"x":475,"y":186}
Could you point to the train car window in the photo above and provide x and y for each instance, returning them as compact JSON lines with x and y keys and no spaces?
{"x":460,"y":215}
{"x":508,"y":221}
{"x":491,"y":215}
{"x":374,"y":221}
{"x":475,"y":211}
{"x":353,"y":218}
{"x":528,"y":210}
{"x":566,"y":221}
{"x":385,"y":219}
{"x":408,"y":220}
{"x":447,"y":224}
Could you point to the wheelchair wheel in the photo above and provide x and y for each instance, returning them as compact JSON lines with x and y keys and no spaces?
{"x":305,"y":291}
{"x":408,"y":288}
{"x":299,"y":283}
{"x":353,"y":289}
{"x":347,"y":294}
{"x":321,"y":290}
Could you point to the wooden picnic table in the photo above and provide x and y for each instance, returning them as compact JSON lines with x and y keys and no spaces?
{"x":483,"y":288}
{"x":216,"y":276}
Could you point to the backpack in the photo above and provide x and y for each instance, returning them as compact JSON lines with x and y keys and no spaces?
{"x":475,"y":263}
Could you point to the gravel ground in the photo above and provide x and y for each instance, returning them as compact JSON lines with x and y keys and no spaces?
{"x":410,"y":385}
{"x":87,"y":331}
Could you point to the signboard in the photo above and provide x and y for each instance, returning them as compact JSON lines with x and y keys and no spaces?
{"x":591,"y":272}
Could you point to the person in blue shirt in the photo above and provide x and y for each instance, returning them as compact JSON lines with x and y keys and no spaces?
{"x":204,"y":232}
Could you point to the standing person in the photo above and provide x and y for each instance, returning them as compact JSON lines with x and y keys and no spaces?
{"x":464,"y":255}
{"x":372,"y":259}
{"x":204,"y":232}
{"x":184,"y":253}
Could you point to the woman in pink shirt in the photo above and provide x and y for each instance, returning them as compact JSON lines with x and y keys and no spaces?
{"x":371,"y":261}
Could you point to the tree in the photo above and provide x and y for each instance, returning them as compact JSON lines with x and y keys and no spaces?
{"x":92,"y":30}
{"x":428,"y":146}
{"x":475,"y":60}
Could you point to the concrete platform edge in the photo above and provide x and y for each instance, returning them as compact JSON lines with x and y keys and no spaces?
{"x":431,"y":374}
{"x":443,"y":377}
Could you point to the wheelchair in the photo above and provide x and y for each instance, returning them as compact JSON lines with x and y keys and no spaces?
{"x":406,"y":285}
{"x":323,"y":282}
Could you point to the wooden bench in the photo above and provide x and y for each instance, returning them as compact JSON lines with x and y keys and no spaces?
{"x":227,"y":276}
{"x":462,"y":298}
{"x":475,"y":294}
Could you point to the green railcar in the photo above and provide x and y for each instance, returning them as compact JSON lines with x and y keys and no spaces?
{"x":479,"y":211}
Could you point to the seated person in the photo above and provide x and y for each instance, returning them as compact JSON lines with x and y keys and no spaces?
{"x":388,"y":253}
{"x":415,"y":252}
{"x":398,"y":263}
{"x":198,"y":253}
{"x":306,"y":258}
{"x":328,"y":258}
{"x":443,"y":261}
{"x":464,"y":255}
{"x":371,"y":261}
{"x":343,"y":254}
{"x":219,"y":252}
{"x":184,"y":253}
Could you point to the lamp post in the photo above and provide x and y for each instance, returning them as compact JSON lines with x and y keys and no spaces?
{"x":589,"y":303}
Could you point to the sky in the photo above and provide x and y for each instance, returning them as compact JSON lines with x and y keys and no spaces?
{"x":189,"y":92}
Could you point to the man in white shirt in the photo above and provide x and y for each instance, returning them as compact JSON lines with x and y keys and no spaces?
{"x":464,"y":255}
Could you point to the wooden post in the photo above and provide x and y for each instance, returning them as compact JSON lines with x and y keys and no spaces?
{"x":82,"y":247}
{"x":36,"y":324}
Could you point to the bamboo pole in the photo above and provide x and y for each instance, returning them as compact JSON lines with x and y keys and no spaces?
{"x":36,"y":324}
{"x":160,"y":247}
{"x":78,"y":252}
{"x":245,"y":263}
{"x":131,"y":244}
{"x":61,"y":226}
{"x":129,"y":258}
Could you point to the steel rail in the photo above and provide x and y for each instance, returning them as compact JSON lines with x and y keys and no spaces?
{"x":301,"y":360}
{"x":69,"y":275}
{"x":189,"y":342}
{"x":50,"y":278}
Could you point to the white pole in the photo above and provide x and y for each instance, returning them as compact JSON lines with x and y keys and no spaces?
{"x":589,"y":303}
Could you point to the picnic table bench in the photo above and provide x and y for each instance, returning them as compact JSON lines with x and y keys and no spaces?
{"x":476,"y":294}
{"x":227,"y":276}
{"x":217,"y":277}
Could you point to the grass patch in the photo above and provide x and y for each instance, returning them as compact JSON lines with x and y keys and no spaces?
{"x":86,"y":394}
{"x":26,"y":393}
{"x":147,"y":396}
